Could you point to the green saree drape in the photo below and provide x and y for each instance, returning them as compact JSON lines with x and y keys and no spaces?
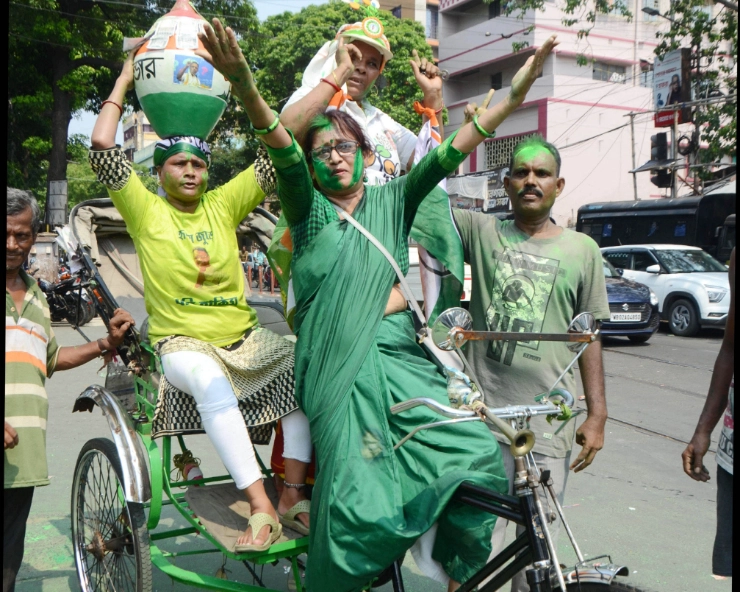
{"x":371,"y":503}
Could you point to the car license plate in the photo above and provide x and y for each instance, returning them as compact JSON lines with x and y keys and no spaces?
{"x":625,"y":316}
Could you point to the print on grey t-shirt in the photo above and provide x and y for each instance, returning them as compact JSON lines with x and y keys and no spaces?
{"x":522,"y":286}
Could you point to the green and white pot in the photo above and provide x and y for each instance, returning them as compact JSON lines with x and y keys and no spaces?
{"x":181,"y":93}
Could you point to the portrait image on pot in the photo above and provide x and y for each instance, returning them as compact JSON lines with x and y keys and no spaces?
{"x":193,"y":71}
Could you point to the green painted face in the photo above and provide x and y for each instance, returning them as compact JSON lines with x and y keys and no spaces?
{"x":328,"y":181}
{"x":533,"y":184}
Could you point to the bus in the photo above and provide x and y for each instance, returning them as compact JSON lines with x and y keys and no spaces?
{"x":726,"y":240}
{"x":696,"y":221}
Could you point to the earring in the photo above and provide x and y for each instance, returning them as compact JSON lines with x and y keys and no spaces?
{"x":364,"y":176}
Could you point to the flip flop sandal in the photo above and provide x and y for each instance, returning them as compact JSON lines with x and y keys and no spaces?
{"x":258,"y":522}
{"x":289,"y":518}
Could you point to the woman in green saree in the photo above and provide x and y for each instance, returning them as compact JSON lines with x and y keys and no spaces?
{"x":356,"y":353}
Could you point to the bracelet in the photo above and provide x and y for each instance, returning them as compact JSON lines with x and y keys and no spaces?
{"x":273,"y":125}
{"x":438,"y":111}
{"x":113,"y":103}
{"x":334,"y":76}
{"x":480,"y":129}
{"x":336,"y":87}
{"x":103,"y":351}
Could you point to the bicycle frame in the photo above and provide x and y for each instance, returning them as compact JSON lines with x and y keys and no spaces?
{"x":535,"y":546}
{"x":136,"y":424}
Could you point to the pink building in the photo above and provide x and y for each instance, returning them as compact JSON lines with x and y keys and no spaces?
{"x":574,"y":107}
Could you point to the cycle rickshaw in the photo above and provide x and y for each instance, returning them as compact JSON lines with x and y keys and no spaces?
{"x":121,"y":485}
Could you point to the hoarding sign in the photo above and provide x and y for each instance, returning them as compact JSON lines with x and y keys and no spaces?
{"x":672,"y":86}
{"x":497,"y":200}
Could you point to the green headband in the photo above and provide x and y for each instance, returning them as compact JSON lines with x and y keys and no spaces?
{"x":167,"y":148}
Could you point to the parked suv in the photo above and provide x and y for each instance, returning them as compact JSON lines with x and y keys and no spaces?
{"x":692,"y":286}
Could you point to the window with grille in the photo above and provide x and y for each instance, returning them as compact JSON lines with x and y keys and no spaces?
{"x":498,"y":152}
{"x":609,"y":72}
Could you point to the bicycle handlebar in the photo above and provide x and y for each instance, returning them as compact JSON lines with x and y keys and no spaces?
{"x":508,"y":412}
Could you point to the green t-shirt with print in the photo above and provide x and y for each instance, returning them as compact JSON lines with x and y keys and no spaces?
{"x":531,"y":285}
{"x":193,"y":279}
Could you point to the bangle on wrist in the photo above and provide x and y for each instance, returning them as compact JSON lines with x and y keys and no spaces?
{"x":482,"y":131}
{"x":336,"y":87}
{"x":102,"y":348}
{"x":267,"y":130}
{"x":438,"y":111}
{"x":334,"y":76}
{"x":113,"y":103}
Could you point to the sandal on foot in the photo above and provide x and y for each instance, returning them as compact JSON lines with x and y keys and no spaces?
{"x":257,"y":522}
{"x":290,"y":519}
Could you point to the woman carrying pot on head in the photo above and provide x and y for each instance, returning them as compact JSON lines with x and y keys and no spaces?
{"x":208,"y":337}
{"x":356,"y":353}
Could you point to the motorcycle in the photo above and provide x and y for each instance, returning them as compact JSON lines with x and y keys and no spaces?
{"x":67,"y":300}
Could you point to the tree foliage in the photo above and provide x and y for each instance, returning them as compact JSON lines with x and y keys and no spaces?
{"x":64,"y":56}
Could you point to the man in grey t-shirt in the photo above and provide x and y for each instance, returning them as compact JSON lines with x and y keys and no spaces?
{"x":531,"y":275}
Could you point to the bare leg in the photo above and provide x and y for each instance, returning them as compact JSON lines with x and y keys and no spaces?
{"x":259,"y":282}
{"x":259,"y":502}
{"x":453,"y":585}
{"x":295,"y":472}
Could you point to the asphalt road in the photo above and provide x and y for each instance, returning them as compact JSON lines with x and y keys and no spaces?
{"x":633,"y":503}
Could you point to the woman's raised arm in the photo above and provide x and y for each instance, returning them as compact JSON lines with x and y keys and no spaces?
{"x":224,"y":53}
{"x":104,"y":132}
{"x":470,"y":136}
{"x":298,"y":115}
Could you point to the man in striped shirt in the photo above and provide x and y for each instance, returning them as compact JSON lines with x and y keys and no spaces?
{"x":31,"y":356}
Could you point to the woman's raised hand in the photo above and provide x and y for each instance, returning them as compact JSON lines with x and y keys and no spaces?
{"x":224,"y":54}
{"x":347,"y":56}
{"x":427,"y":75}
{"x":127,"y":72}
{"x":472,"y":109}
{"x":529,"y":72}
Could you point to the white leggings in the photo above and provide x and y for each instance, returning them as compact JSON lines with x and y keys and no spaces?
{"x":203,"y":379}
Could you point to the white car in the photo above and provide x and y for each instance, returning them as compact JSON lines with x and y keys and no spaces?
{"x":692,"y":287}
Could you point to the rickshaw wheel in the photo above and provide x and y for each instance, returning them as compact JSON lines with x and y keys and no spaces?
{"x":109,"y":534}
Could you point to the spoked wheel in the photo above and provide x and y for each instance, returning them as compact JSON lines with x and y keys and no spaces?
{"x":109,"y":534}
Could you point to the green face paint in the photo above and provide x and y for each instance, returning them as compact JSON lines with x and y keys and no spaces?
{"x":529,"y":153}
{"x":359,"y":167}
{"x":332,"y":183}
